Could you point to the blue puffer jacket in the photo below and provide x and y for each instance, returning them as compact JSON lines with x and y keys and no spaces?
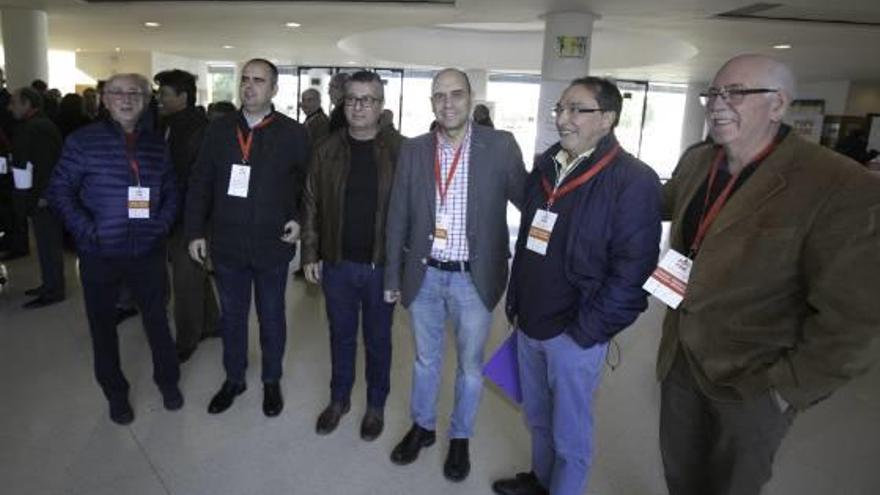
{"x":89,"y":190}
{"x":612,"y":246}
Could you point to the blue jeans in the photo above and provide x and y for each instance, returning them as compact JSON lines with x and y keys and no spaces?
{"x":448,"y":295}
{"x":352,"y":290}
{"x":234,"y":285}
{"x":558,"y":378}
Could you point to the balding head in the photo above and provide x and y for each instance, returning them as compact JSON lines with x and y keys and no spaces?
{"x":747,"y":102}
{"x":765,"y":72}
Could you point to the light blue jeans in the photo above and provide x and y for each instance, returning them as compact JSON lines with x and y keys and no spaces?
{"x":558,"y":378}
{"x":448,"y":295}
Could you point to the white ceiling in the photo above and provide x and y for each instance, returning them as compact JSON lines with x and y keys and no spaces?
{"x":668,"y":40}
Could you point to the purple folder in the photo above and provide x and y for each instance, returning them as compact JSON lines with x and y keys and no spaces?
{"x":503,"y":370}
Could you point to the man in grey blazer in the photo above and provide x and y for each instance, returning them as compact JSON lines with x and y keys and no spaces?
{"x":447,"y":251}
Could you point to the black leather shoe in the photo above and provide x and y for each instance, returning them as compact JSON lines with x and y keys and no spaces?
{"x":522,"y":484}
{"x":372,"y":424}
{"x":121,"y":412}
{"x":458,"y":461}
{"x":408,"y":449}
{"x":273,"y":403}
{"x":41,"y":302}
{"x":329,"y":418}
{"x":183,"y":355}
{"x":36,"y":291}
{"x":224,"y":398}
{"x":172,"y":399}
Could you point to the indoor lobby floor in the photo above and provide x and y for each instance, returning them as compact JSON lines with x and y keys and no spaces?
{"x":56,"y":437}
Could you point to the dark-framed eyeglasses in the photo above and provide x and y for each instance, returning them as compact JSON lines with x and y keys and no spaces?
{"x":120,"y":95}
{"x":733,"y":95}
{"x":558,"y":110}
{"x":365,"y":101}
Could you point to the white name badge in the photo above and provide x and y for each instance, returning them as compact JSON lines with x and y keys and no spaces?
{"x":3,"y":167}
{"x":23,"y":177}
{"x":539,"y":232}
{"x":441,"y":232}
{"x":669,"y":280}
{"x":239,"y":180}
{"x":138,"y":202}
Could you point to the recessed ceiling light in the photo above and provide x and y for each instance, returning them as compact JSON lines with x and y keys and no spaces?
{"x":782,"y":46}
{"x":79,"y":50}
{"x":118,"y":49}
{"x":351,"y":62}
{"x":228,"y":47}
{"x":293,"y":24}
{"x":151,"y":24}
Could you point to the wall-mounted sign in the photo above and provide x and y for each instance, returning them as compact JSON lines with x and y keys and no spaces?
{"x":571,"y":46}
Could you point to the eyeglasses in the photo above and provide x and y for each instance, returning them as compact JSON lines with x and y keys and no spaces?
{"x":456,"y":96}
{"x":573,"y":109}
{"x":120,"y":95}
{"x":732,"y":95}
{"x":365,"y":101}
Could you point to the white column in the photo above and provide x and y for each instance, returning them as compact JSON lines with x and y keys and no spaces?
{"x":693,"y":126}
{"x":479,"y":81}
{"x":25,"y":45}
{"x":567,"y":44}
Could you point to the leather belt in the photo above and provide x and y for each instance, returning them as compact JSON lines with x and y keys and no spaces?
{"x":449,"y":266}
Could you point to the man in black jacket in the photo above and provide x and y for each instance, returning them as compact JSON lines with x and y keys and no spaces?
{"x":246,"y":185}
{"x":195,"y":307}
{"x":36,"y":148}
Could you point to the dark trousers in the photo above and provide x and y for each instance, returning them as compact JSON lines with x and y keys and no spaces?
{"x":17,"y":236}
{"x":354,"y":291}
{"x":234,"y":284}
{"x":711,"y":447}
{"x":49,"y":235}
{"x":7,"y":213}
{"x":147,"y":278}
{"x":195,"y":306}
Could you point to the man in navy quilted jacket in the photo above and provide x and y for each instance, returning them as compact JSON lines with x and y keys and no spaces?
{"x":115,"y":190}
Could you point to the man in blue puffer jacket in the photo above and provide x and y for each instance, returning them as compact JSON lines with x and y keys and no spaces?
{"x":115,"y":190}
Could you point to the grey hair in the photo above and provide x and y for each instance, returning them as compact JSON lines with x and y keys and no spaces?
{"x":141,"y":81}
{"x":311,"y":90}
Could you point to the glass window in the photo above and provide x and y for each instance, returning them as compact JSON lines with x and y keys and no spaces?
{"x":222,"y":85}
{"x":417,"y":114}
{"x":661,"y":139}
{"x":514,"y":98}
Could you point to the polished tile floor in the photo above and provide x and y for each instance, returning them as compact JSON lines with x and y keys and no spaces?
{"x":56,"y":437}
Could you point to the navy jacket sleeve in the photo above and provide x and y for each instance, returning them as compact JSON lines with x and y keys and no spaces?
{"x":633,"y":249}
{"x":63,"y":194}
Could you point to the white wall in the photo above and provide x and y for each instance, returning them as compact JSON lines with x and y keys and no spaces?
{"x":864,"y":98}
{"x":835,"y":94}
{"x":101,"y":65}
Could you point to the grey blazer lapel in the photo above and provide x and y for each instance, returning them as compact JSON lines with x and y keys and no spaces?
{"x":477,"y":169}
{"x":426,"y":177}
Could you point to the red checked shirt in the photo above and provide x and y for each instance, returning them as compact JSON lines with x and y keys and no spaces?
{"x":456,"y":199}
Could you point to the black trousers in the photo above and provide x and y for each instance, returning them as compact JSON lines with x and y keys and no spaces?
{"x":49,"y":235}
{"x":712,"y":447}
{"x":147,"y":278}
{"x":17,"y":235}
{"x":196,"y":312}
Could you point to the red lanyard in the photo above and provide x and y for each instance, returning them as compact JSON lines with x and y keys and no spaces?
{"x":441,"y":187}
{"x":244,"y":144}
{"x":710,"y":213}
{"x":130,"y":144}
{"x":559,"y":192}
